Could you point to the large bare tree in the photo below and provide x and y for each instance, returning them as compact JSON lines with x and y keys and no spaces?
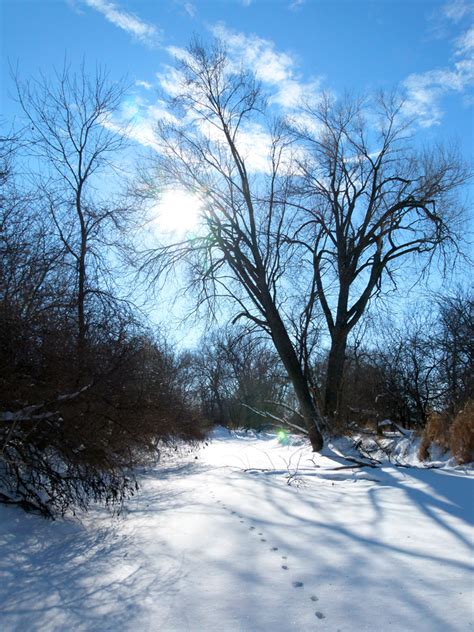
{"x":240,"y":253}
{"x":341,"y":203}
{"x":372,"y":201}
{"x":69,"y":133}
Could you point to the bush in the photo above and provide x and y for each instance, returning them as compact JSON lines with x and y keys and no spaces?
{"x":448,"y":433}
{"x":69,"y":437}
{"x":435,"y":432}
{"x":461,"y":440}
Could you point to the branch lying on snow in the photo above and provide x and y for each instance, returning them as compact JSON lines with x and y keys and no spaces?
{"x":286,"y":407}
{"x":370,"y":463}
{"x":276,"y":421}
{"x":69,"y":396}
{"x":27,"y":414}
{"x":370,"y":460}
{"x":389,"y":422}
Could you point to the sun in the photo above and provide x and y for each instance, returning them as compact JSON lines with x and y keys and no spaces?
{"x":177,"y":212}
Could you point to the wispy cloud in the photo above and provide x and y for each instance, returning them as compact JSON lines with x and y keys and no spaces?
{"x":186,"y":7}
{"x":296,"y":4}
{"x":276,"y":69}
{"x":465,"y":43}
{"x":144,"y":32}
{"x":137,"y":119}
{"x":426,"y":90}
{"x":456,"y":10}
{"x":190,"y":9}
{"x":143,"y":84}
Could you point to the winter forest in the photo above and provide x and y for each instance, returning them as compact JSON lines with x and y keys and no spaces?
{"x":236,"y":340}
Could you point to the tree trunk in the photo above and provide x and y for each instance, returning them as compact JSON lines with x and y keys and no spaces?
{"x":308,"y":408}
{"x":81,"y":284}
{"x":335,"y":373}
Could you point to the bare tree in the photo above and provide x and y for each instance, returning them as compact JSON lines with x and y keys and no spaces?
{"x":371,"y":200}
{"x":240,"y":253}
{"x":236,"y":373}
{"x":70,"y":135}
{"x":455,"y":346}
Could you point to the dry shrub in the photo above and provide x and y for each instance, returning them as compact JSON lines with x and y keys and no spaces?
{"x":462,"y":434}
{"x":436,"y":431}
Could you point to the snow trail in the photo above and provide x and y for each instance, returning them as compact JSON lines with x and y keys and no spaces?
{"x":252,"y":536}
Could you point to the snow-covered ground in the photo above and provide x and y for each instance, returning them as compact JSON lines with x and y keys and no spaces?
{"x":251,"y":536}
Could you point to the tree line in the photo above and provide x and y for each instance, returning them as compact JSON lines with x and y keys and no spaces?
{"x":295,"y":254}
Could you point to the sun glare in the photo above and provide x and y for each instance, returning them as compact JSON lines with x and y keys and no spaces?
{"x":177,"y":212}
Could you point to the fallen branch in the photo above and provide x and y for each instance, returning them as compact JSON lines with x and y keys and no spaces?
{"x":276,"y":421}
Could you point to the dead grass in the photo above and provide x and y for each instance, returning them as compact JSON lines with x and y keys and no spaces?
{"x":448,"y":433}
{"x":462,"y":434}
{"x":436,"y":431}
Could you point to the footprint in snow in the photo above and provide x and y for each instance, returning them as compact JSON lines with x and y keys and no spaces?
{"x":274,"y":548}
{"x":297,"y":584}
{"x":320,"y":615}
{"x":242,"y":521}
{"x":262,"y":540}
{"x":314,"y":598}
{"x":284,"y":567}
{"x":283,"y":557}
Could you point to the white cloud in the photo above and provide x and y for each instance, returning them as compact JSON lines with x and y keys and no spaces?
{"x":137,"y":120}
{"x":190,"y":9}
{"x":254,"y":143}
{"x":257,"y":53}
{"x":292,"y":93}
{"x":274,"y":68}
{"x":187,"y":7}
{"x":426,"y":90}
{"x":296,"y":4}
{"x":465,"y":42}
{"x":146,"y":33}
{"x":457,"y":9}
{"x":143,"y":84}
{"x":171,"y":80}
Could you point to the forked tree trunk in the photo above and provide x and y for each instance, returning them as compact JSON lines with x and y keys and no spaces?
{"x":308,"y":408}
{"x":334,"y":374}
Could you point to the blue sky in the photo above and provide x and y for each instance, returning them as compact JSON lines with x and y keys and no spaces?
{"x":424,"y":47}
{"x":296,"y":47}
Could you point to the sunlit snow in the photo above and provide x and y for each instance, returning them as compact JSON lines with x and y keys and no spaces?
{"x":251,"y":534}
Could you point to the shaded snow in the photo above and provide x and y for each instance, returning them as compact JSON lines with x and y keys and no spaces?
{"x":251,"y":536}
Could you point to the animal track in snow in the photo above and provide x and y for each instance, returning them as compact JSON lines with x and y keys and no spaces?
{"x":274,"y":548}
{"x":320,"y":615}
{"x":314,"y":598}
{"x":297,"y":584}
{"x":284,"y":567}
